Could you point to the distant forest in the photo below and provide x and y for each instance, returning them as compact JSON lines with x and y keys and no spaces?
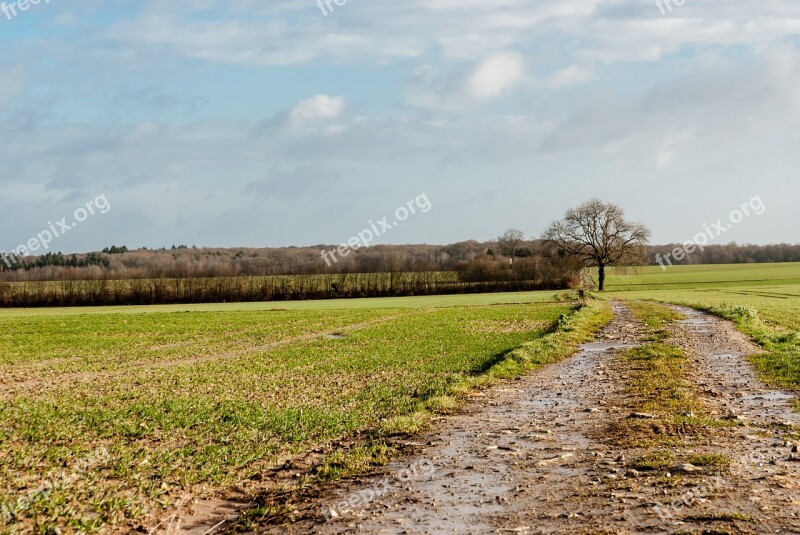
{"x":473,"y":260}
{"x":181,"y":274}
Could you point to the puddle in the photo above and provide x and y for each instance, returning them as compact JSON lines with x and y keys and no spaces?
{"x":770,"y":396}
{"x":699,"y":324}
{"x":546,"y":403}
{"x":696,"y":321}
{"x":599,"y":347}
{"x":335,"y":336}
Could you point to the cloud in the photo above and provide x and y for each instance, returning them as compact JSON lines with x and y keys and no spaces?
{"x":318,"y":108}
{"x":13,"y":83}
{"x":294,"y":184}
{"x":154,"y":104}
{"x":572,"y":75}
{"x":496,"y":75}
{"x":670,"y":145}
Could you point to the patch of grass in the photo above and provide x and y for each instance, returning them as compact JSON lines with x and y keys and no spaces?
{"x":659,"y":381}
{"x":659,"y":386}
{"x":357,"y":460}
{"x":657,"y":460}
{"x":719,"y":517}
{"x":656,"y":318}
{"x":715,"y":460}
{"x":406,"y":424}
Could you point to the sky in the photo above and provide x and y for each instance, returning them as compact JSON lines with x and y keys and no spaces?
{"x":284,"y":122}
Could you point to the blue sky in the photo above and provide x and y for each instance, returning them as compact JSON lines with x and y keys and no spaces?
{"x":268,"y":123}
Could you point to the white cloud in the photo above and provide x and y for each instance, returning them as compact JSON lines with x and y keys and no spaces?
{"x":670,"y":146}
{"x":496,"y":75}
{"x":13,"y":82}
{"x":320,"y":107}
{"x":572,"y":75}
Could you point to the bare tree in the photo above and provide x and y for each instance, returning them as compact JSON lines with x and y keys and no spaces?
{"x":597,"y":233}
{"x":510,"y":242}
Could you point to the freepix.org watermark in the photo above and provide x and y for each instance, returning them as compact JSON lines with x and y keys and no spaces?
{"x":666,"y":5}
{"x":14,"y":8}
{"x":754,"y":206}
{"x":377,"y":229}
{"x":11,"y":510}
{"x":42,"y":240}
{"x":422,"y":468}
{"x":327,"y":6}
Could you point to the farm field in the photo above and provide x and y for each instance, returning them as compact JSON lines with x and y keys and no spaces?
{"x":773,"y":289}
{"x":432,"y":301}
{"x":764,"y":302}
{"x":132,"y":410}
{"x":186,"y":403}
{"x":700,"y":276}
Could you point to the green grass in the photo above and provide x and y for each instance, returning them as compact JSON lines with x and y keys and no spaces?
{"x":703,"y":276}
{"x":762,"y":299}
{"x":660,"y":385}
{"x":657,"y":460}
{"x":710,"y":459}
{"x":656,"y":318}
{"x":201,"y":401}
{"x":433,"y":301}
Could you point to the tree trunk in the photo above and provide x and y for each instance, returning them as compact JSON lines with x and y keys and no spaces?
{"x":601,"y":277}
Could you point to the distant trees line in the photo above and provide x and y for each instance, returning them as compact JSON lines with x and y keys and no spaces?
{"x":99,"y":292}
{"x":181,"y":274}
{"x":471,"y":258}
{"x":731,"y":254}
{"x":117,"y":262}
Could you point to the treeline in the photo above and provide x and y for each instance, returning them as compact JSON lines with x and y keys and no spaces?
{"x":191,"y":262}
{"x":117,"y":263}
{"x":102,"y":292}
{"x":472,"y":258}
{"x":729,"y":254}
{"x":182,"y":274}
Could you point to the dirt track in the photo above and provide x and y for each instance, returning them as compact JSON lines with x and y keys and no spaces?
{"x":538,"y":455}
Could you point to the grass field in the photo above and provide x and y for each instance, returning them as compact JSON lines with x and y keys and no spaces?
{"x":132,"y":409}
{"x":434,"y":301}
{"x":183,"y":402}
{"x":705,"y":276}
{"x":763,"y":299}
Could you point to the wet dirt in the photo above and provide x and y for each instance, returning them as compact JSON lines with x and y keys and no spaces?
{"x":535,"y":455}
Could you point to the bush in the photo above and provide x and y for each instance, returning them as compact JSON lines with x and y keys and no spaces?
{"x":743,"y":312}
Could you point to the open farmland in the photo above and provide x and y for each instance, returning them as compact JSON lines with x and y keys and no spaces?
{"x":125,"y":416}
{"x":764,"y":301}
{"x":194,"y":403}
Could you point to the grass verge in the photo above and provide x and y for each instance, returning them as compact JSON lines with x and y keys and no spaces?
{"x":661,"y":391}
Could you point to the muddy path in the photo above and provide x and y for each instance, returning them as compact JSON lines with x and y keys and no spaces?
{"x":763,"y":481}
{"x":539,"y":455}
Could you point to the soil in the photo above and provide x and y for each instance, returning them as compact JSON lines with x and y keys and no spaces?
{"x":543,"y":454}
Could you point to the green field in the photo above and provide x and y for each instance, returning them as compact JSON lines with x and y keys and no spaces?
{"x":434,"y":301}
{"x":190,"y":402}
{"x":196,"y":399}
{"x":763,"y":299}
